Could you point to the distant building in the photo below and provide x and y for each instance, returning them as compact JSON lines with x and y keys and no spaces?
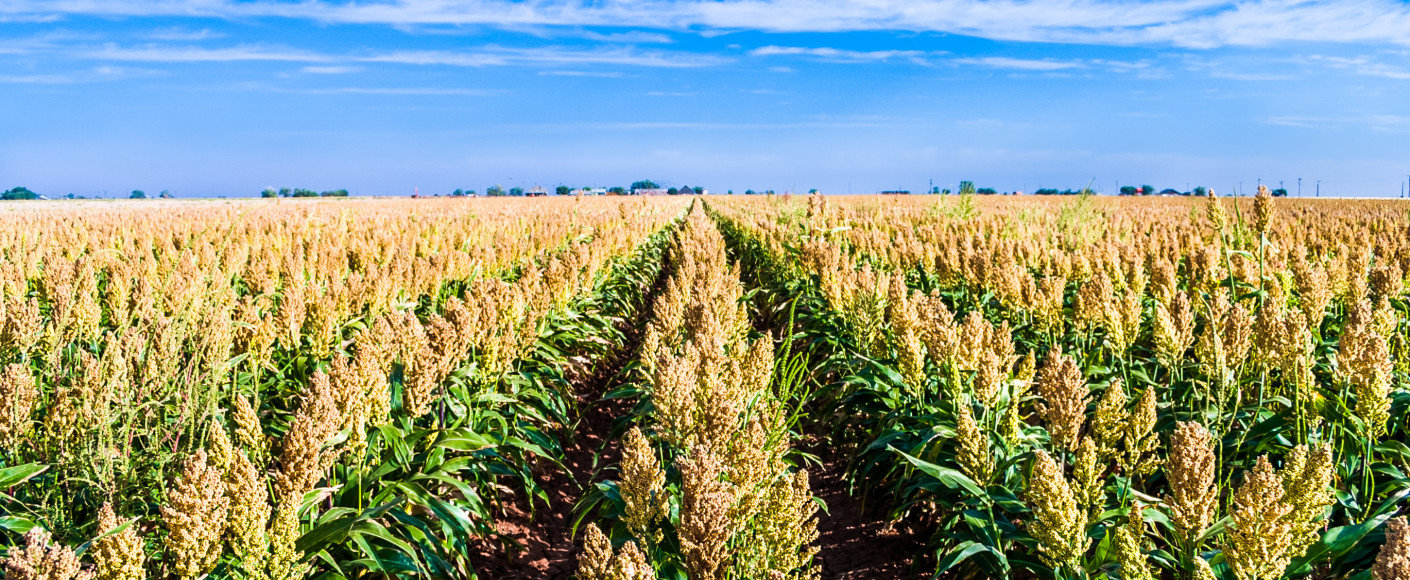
{"x":656,"y":191}
{"x":536,"y":191}
{"x":589,"y":191}
{"x":897,"y":192}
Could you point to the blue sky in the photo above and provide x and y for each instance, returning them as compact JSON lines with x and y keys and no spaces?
{"x":220,"y":97}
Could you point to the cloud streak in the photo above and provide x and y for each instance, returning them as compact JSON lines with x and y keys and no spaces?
{"x":1184,"y":23}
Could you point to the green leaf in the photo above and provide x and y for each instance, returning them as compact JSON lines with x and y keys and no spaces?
{"x":952,"y":479}
{"x":12,"y":476}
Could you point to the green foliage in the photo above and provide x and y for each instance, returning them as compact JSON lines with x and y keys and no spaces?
{"x":18,"y":193}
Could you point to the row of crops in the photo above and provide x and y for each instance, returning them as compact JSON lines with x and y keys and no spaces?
{"x":1076,"y":388}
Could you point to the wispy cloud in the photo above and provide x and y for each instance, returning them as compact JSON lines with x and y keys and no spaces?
{"x":580,"y":73}
{"x":343,"y":63}
{"x":183,"y":35}
{"x":168,"y":53}
{"x":840,"y":55}
{"x":1020,"y":63}
{"x":93,"y":75}
{"x":1188,"y":23}
{"x":1363,"y":65}
{"x":330,"y":70}
{"x":630,"y":37}
{"x":402,"y":91}
{"x":496,"y":56}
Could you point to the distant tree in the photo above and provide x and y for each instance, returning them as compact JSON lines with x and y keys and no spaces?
{"x":166,"y":195}
{"x":619,"y":190}
{"x":1280,"y":192}
{"x":967,"y":188}
{"x":19,"y":193}
{"x":285,"y":192}
{"x":731,"y":192}
{"x":1147,"y":190}
{"x":1201,"y":191}
{"x":935,"y":190}
{"x":562,"y":190}
{"x":458,"y":193}
{"x":137,"y":194}
{"x":495,"y":191}
{"x":269,"y":192}
{"x":986,"y":191}
{"x":748,"y":192}
{"x":644,"y":184}
{"x":301,"y":192}
{"x":1128,"y":190}
{"x":673,"y":191}
{"x":812,"y":191}
{"x":516,"y":192}
{"x":334,"y":193}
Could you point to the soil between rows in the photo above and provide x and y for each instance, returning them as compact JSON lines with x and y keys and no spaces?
{"x":538,"y":543}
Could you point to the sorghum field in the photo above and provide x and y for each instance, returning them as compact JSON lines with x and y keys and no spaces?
{"x":706,"y":388}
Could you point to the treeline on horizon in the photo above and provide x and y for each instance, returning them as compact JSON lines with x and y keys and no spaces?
{"x":965,"y":188}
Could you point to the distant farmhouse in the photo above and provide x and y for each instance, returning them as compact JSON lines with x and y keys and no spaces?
{"x":536,"y":191}
{"x":589,"y":191}
{"x":652,"y":191}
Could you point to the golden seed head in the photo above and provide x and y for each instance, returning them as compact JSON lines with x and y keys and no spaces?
{"x":249,"y":514}
{"x":195,"y":517}
{"x":40,"y":559}
{"x":1109,"y":422}
{"x":595,"y":561}
{"x":1214,"y":211}
{"x":1140,"y":440}
{"x":1262,"y":210}
{"x":1064,"y":399}
{"x":1058,"y":524}
{"x":1130,"y":548}
{"x":285,"y":560}
{"x":705,"y":523}
{"x":1190,"y":470}
{"x":18,"y":395}
{"x":974,"y":456}
{"x":301,"y":462}
{"x":1088,"y":474}
{"x":119,"y":556}
{"x":1393,"y":562}
{"x":630,"y":564}
{"x":642,"y":487}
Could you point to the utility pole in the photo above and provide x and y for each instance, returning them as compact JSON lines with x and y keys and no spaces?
{"x":1319,"y":188}
{"x":1299,"y":187}
{"x":1240,"y":192}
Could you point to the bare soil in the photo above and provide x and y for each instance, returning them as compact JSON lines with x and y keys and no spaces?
{"x":539,"y":543}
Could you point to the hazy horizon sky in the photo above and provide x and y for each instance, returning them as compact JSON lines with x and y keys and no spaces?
{"x":220,"y":97}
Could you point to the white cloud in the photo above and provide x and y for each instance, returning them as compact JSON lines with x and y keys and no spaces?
{"x":1020,"y":63}
{"x":183,"y":35}
{"x":836,"y":54}
{"x":167,"y":53}
{"x":403,"y":91}
{"x":495,"y":56}
{"x":1189,"y":23}
{"x":330,"y":70}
